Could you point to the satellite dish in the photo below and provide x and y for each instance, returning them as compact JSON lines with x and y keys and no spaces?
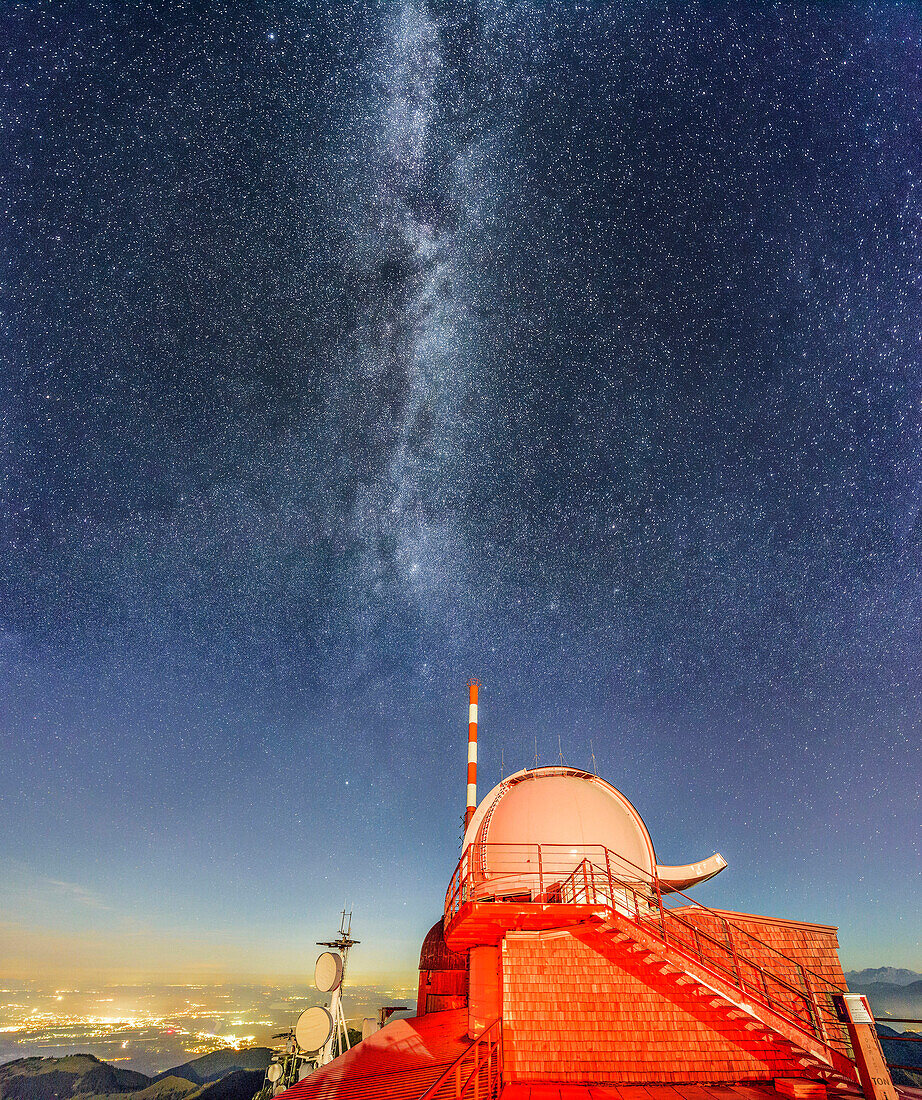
{"x":274,"y":1072}
{"x":306,"y":1070}
{"x":369,"y":1027}
{"x":314,"y":1028}
{"x":328,"y":972}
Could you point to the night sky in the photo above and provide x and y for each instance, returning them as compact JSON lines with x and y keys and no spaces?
{"x":354,"y":349}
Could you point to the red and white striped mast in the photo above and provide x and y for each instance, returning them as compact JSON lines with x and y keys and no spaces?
{"x":473,"y":688}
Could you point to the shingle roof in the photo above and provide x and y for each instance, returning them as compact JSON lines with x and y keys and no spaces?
{"x":398,"y":1062}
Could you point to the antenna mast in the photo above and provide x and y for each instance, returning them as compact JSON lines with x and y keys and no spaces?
{"x":319,"y":1032}
{"x":340,"y":1034}
{"x":473,"y":691}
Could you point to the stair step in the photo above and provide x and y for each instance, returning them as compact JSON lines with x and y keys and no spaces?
{"x":724,"y":1004}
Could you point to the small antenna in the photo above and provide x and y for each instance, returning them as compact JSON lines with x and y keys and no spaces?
{"x":536,"y":750}
{"x":559,"y":750}
{"x":502,"y":766}
{"x":592,"y":751}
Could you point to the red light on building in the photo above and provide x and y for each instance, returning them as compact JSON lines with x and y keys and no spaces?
{"x":569,"y":964}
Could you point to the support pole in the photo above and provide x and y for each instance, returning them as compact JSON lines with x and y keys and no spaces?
{"x":855,"y":1012}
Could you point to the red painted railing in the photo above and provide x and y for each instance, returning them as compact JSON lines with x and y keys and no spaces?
{"x":477,"y":1073}
{"x":599,"y":879}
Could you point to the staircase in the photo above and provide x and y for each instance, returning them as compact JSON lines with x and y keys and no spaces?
{"x":476,"y":1074}
{"x":716,"y":971}
{"x":720,"y":996}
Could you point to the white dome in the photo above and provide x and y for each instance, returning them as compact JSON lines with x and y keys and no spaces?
{"x":535,"y":828}
{"x":565,"y":808}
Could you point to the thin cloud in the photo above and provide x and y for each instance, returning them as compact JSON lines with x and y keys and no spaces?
{"x":77,"y":893}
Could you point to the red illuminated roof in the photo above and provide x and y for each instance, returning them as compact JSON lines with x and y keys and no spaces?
{"x":403,"y":1059}
{"x":398,"y":1062}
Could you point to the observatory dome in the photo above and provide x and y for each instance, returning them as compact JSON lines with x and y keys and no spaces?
{"x":540,"y":824}
{"x":567,"y":808}
{"x":443,"y":974}
{"x":435,"y":953}
{"x":554,"y":817}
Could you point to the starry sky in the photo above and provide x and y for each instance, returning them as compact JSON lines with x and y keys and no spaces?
{"x":352,"y":349}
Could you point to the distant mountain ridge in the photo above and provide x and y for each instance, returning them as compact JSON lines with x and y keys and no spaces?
{"x":64,"y":1078}
{"x":218,"y":1064}
{"x":168,"y":1088}
{"x":890,"y":975}
{"x":240,"y":1084}
{"x":222,"y":1075}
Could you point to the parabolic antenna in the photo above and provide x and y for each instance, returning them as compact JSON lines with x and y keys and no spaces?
{"x":306,"y":1070}
{"x":328,"y":972}
{"x":369,"y":1027}
{"x":314,"y":1028}
{"x":274,"y":1072}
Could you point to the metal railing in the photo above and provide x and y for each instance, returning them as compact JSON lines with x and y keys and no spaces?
{"x":477,"y":1072}
{"x":597,"y":878}
{"x":899,"y":1038}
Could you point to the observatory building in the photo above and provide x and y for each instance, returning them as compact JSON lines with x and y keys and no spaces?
{"x":569,"y":964}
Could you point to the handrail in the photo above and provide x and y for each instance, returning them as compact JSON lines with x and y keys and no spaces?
{"x":458,"y":1062}
{"x":734,"y":958}
{"x":518,"y":869}
{"x":654,"y":879}
{"x":672,"y":891}
{"x":762,"y":943}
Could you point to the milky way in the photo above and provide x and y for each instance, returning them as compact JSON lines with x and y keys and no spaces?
{"x":411,"y":354}
{"x":355,"y":349}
